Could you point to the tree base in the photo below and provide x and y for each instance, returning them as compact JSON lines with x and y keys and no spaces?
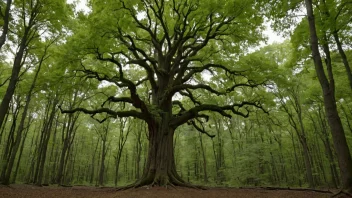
{"x":342,"y":193}
{"x":164,"y":181}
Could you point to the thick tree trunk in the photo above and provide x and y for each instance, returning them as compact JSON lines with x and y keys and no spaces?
{"x":338,"y":134}
{"x":160,"y":168}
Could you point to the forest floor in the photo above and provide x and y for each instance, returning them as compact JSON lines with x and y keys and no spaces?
{"x":16,"y":191}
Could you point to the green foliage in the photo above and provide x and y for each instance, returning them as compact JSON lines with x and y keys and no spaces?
{"x":262,"y":149}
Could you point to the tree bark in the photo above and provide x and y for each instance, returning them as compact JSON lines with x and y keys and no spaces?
{"x":22,"y":123}
{"x":328,"y":150}
{"x":160,"y":168}
{"x":5,"y":27}
{"x":10,"y":144}
{"x":17,"y":64}
{"x":102,"y":161}
{"x":338,"y":134}
{"x":21,"y":150}
{"x":204,"y":159}
{"x":42,"y":148}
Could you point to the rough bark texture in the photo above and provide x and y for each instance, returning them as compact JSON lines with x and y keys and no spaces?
{"x":338,"y":135}
{"x":160,"y":168}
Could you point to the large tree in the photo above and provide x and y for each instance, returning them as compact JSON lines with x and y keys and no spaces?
{"x":178,"y":50}
{"x":327,"y":83}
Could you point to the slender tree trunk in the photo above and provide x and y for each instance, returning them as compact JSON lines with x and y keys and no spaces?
{"x":31,"y":157}
{"x":68,"y":135}
{"x":307,"y":161}
{"x":347,"y":118}
{"x":344,"y":57}
{"x":117,"y":165}
{"x":17,"y":64}
{"x":338,"y":134}
{"x":52,"y":159}
{"x":46,"y":133}
{"x":20,"y":129}
{"x":93,"y":164}
{"x":21,"y":150}
{"x":328,"y":151}
{"x":102,"y":162}
{"x":2,"y":128}
{"x":204,"y":159}
{"x":6,"y":157}
{"x":138,"y":149}
{"x":5,"y":27}
{"x":297,"y":164}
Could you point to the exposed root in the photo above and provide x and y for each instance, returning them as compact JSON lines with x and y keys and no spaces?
{"x":127,"y":187}
{"x":172,"y":185}
{"x":173,"y":181}
{"x":342,"y":193}
{"x":66,"y":186}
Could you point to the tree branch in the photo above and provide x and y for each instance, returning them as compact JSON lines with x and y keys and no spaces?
{"x":201,"y":130}
{"x":115,"y":114}
{"x":181,"y":87}
{"x":222,"y":110}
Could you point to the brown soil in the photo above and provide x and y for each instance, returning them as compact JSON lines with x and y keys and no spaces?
{"x":15,"y":191}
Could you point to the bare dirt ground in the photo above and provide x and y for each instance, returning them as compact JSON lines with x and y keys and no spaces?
{"x":17,"y":191}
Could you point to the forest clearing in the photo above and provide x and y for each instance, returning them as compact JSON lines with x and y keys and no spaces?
{"x":159,"y":97}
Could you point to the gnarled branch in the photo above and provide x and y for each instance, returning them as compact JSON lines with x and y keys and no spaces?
{"x":222,"y":110}
{"x":115,"y":114}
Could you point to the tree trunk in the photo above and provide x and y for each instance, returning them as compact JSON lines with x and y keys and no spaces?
{"x":5,"y":27}
{"x":2,"y":128}
{"x":338,"y":134}
{"x":93,"y":164}
{"x":102,"y":162}
{"x":347,"y":118}
{"x":328,"y":151}
{"x":204,"y":159}
{"x":6,"y":156}
{"x":67,"y":140}
{"x":344,"y":58}
{"x":307,"y":161}
{"x":160,"y":168}
{"x":22,"y":122}
{"x":44,"y":146}
{"x":17,"y":64}
{"x":21,"y":150}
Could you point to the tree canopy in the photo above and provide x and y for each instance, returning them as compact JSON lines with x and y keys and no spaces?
{"x":142,"y":81}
